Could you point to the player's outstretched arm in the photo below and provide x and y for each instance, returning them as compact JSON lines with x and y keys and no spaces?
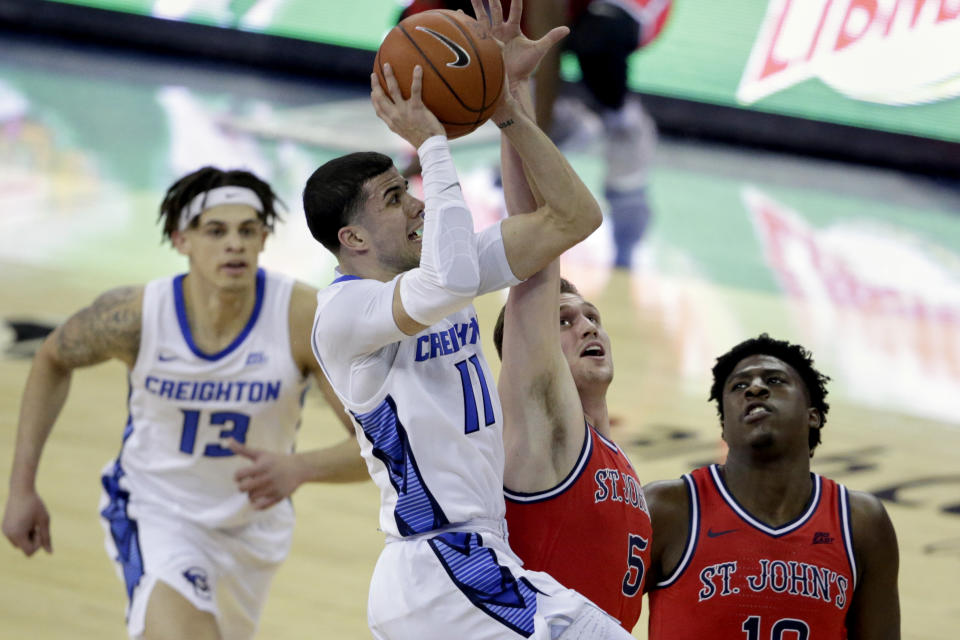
{"x":109,"y":328}
{"x":875,"y":608}
{"x":568,"y":212}
{"x":542,"y":413}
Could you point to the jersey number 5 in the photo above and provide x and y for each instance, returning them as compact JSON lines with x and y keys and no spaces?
{"x":237,"y":430}
{"x":471,"y":415}
{"x":635,"y":569}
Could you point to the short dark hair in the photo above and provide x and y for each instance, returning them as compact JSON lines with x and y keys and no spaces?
{"x":191,"y":185}
{"x":565,"y":287}
{"x":334,"y":193}
{"x":794,"y":355}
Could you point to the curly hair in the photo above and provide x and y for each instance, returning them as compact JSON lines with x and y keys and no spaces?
{"x":794,"y":355}
{"x":189,"y":186}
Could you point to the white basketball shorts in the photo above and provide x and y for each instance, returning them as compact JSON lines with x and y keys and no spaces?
{"x":224,"y":572}
{"x":469,"y":585}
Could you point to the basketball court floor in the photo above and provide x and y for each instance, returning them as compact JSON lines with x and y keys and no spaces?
{"x":861,"y":265}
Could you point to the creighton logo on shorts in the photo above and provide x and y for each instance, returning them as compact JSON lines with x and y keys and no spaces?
{"x":198,"y":578}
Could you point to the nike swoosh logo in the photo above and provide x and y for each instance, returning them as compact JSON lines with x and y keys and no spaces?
{"x":463,"y":58}
{"x":714,"y":534}
{"x":165,"y":358}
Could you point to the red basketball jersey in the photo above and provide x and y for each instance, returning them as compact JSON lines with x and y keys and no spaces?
{"x":591,"y":532}
{"x":740,"y":579}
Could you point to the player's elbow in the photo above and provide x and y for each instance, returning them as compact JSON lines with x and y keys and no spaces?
{"x":462,"y":278}
{"x":580,"y":220}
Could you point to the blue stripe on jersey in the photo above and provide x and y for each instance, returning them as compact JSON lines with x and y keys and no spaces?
{"x":345,"y":279}
{"x":185,"y":324}
{"x":123,"y":530}
{"x":417,"y":511}
{"x":490,"y":587}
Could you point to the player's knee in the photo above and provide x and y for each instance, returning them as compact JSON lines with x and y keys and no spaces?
{"x":170,"y":616}
{"x":590,"y":624}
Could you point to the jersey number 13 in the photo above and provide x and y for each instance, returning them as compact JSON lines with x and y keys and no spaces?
{"x":233,"y":425}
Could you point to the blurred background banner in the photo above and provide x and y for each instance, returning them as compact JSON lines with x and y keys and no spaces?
{"x":883,"y":73}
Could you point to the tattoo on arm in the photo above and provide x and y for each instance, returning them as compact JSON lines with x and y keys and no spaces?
{"x":506,"y":123}
{"x":108,"y":328}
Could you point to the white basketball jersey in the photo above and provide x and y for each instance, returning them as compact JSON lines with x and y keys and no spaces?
{"x":425,"y":408}
{"x":185,"y":404}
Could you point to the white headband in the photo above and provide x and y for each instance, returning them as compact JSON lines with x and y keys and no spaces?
{"x":215,"y":197}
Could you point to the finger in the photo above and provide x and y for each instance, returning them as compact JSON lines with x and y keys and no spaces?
{"x":553,"y":37}
{"x":377,"y":97}
{"x":253,"y":484}
{"x":393,"y":88}
{"x":29,"y":544}
{"x":19,"y":541}
{"x":496,"y":11}
{"x":265,"y":502}
{"x":43,"y":533}
{"x":242,"y":450}
{"x":416,"y":86}
{"x":246,"y":472}
{"x":480,"y":12}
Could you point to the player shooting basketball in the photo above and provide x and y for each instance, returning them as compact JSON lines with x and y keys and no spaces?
{"x":398,"y":336}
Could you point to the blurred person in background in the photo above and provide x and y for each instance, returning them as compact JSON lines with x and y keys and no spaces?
{"x":603,"y":36}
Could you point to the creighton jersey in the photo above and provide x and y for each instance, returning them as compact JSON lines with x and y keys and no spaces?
{"x":185,"y":404}
{"x":591,"y":532}
{"x":740,"y":579}
{"x":425,"y":407}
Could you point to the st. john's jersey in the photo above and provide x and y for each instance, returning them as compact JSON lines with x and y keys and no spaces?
{"x":740,"y":579}
{"x":184,"y":404}
{"x":591,"y":532}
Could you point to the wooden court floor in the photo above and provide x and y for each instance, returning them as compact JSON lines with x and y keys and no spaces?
{"x":663,"y":421}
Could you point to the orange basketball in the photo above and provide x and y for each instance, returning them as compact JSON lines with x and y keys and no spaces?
{"x":462,"y":73}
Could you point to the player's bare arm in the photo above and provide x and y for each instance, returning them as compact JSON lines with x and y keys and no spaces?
{"x":569,"y":212}
{"x":543,"y":417}
{"x":340,"y":462}
{"x":108,"y":328}
{"x":669,"y":505}
{"x":875,"y":608}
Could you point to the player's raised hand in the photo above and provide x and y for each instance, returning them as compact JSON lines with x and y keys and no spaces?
{"x":408,"y":118}
{"x":521,"y":55}
{"x":26,"y":523}
{"x":269,"y":479}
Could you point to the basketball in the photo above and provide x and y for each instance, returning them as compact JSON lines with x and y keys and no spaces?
{"x":462,"y":73}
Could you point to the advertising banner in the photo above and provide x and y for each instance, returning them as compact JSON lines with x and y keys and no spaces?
{"x":889,"y":65}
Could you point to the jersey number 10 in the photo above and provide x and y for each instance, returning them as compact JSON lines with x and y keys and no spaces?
{"x":796,"y":628}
